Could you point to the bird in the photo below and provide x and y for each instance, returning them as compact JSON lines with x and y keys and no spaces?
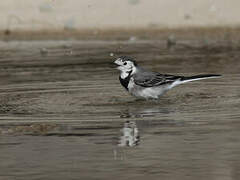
{"x":144,"y":84}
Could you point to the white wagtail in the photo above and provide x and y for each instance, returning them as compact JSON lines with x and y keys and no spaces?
{"x":149,"y":85}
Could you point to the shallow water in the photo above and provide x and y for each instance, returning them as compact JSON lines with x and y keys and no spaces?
{"x":64,"y":114}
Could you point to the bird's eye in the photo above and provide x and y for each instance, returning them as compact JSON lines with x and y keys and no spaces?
{"x":124,"y":63}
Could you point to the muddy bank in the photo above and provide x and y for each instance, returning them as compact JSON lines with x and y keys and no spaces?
{"x":220,"y":33}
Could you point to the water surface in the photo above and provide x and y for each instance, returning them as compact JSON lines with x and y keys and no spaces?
{"x":64,"y":114}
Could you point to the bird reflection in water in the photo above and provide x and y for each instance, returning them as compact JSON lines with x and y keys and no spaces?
{"x":130,"y":135}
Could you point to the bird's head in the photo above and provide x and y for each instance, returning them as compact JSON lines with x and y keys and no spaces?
{"x":126,"y":65}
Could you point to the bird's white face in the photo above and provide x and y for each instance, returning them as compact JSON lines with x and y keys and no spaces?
{"x":125,"y":66}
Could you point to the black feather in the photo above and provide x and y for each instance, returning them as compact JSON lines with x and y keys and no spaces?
{"x":199,"y":77}
{"x":127,"y":58}
{"x":125,"y":82}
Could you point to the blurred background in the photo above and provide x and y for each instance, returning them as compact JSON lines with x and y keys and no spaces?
{"x":91,"y":17}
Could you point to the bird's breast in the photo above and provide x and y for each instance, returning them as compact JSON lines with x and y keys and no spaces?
{"x":124,"y":82}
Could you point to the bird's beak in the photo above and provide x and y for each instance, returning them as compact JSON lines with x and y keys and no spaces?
{"x":117,"y":62}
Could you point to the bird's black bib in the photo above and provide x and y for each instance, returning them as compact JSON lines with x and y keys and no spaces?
{"x":125,"y":82}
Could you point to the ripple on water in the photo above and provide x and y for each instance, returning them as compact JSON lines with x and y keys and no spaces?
{"x":65,"y":116}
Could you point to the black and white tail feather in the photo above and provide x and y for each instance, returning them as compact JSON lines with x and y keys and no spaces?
{"x":199,"y":77}
{"x":150,"y":85}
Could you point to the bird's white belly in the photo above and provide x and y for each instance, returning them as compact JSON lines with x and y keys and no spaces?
{"x":146,"y":92}
{"x":151,"y":92}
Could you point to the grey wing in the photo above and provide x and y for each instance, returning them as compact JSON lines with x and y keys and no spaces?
{"x":154,"y":79}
